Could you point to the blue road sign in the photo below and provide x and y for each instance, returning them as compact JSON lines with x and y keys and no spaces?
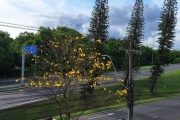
{"x":30,"y":50}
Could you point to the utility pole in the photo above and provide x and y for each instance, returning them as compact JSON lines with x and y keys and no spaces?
{"x":130,"y":83}
{"x":130,"y":102}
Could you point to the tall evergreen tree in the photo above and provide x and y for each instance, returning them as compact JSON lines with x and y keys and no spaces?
{"x":135,"y":33}
{"x":100,"y":21}
{"x":166,"y":28}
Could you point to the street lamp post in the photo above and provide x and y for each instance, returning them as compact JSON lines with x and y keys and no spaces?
{"x":114,"y":69}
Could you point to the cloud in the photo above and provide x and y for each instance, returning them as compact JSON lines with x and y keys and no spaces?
{"x":151,"y":16}
{"x":76,"y":14}
{"x":78,"y":21}
{"x":120,"y":15}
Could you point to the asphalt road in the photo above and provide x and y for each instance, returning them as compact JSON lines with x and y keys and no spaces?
{"x":13,"y":98}
{"x":143,"y":73}
{"x":162,"y":110}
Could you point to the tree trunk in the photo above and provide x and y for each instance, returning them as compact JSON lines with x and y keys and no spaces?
{"x":153,"y":85}
{"x":42,"y":72}
{"x":13,"y":72}
{"x":5,"y":74}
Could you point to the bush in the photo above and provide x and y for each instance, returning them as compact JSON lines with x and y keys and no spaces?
{"x":177,"y":60}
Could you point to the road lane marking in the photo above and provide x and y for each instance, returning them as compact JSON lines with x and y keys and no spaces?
{"x":97,"y":117}
{"x":156,"y":108}
{"x":23,"y":103}
{"x":109,"y":114}
{"x":153,"y":116}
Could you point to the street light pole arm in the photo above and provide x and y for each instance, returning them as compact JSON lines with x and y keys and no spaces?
{"x":114,"y":69}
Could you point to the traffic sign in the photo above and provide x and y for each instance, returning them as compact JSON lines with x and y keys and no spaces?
{"x":30,"y":50}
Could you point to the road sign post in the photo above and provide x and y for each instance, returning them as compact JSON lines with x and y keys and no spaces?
{"x":32,"y":50}
{"x":22,"y":69}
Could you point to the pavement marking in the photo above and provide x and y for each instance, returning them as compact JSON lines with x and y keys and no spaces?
{"x":175,"y":103}
{"x":109,"y":114}
{"x":97,"y":117}
{"x":153,"y":116}
{"x":24,"y":103}
{"x":156,"y":108}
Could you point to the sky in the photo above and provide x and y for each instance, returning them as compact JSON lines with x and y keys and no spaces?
{"x":76,"y":14}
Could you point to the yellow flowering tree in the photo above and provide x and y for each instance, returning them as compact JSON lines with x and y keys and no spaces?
{"x":68,"y":63}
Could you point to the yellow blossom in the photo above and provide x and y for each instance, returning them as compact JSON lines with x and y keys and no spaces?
{"x":57,"y":85}
{"x":80,"y":49}
{"x":99,"y":41}
{"x":82,"y":54}
{"x":23,"y":78}
{"x":21,"y":90}
{"x":17,"y":80}
{"x":40,"y":83}
{"x":121,"y":80}
{"x":82,"y":37}
{"x":125,"y":91}
{"x":91,"y":71}
{"x":47,"y":83}
{"x":77,"y":71}
{"x":104,"y":88}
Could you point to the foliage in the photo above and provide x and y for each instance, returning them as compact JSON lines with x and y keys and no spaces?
{"x":166,"y":28}
{"x":23,"y":39}
{"x":113,"y":48}
{"x":173,"y":55}
{"x":146,"y":55}
{"x":68,"y":64}
{"x":6,"y":54}
{"x":135,"y":33}
{"x":99,"y":21}
{"x":176,"y":60}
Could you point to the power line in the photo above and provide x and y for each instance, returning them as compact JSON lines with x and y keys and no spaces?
{"x":18,"y":25}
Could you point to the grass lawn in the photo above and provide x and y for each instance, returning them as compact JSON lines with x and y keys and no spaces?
{"x":167,"y":86}
{"x":31,"y":73}
{"x":145,"y":67}
{"x":12,"y":87}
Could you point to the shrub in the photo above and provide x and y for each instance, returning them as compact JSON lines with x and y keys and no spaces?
{"x":177,"y":60}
